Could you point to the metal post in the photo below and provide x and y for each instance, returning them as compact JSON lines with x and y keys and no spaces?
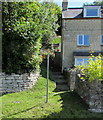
{"x":47,"y":78}
{"x":62,"y":55}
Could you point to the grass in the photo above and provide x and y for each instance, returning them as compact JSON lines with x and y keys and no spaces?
{"x":31,"y":103}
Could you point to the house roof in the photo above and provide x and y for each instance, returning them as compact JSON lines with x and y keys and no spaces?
{"x":75,"y":13}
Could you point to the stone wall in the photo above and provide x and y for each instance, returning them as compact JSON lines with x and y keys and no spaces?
{"x":96,"y":96}
{"x":16,"y":83}
{"x":90,"y":92}
{"x":83,"y":89}
{"x":70,"y":79}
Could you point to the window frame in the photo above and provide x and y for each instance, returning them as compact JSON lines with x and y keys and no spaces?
{"x":82,"y":40}
{"x":101,"y":41}
{"x":92,"y":7}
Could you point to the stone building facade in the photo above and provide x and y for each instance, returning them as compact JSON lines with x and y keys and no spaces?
{"x":76,"y":26}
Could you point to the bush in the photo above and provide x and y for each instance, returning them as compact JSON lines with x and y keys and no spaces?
{"x":25,"y":26}
{"x":93,"y":70}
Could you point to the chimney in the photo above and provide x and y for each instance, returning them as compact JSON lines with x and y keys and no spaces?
{"x":65,"y":5}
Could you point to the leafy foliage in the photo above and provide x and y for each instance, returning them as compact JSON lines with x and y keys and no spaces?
{"x":98,"y":2}
{"x":25,"y":26}
{"x":51,"y":21}
{"x":56,"y":40}
{"x":93,"y":70}
{"x":94,"y":3}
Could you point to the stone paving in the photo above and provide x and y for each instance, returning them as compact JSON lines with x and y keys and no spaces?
{"x":61,"y":83}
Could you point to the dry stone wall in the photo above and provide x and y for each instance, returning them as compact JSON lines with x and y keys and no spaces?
{"x":69,"y":76}
{"x":83,"y":89}
{"x":16,"y":83}
{"x":90,"y":92}
{"x":96,"y":96}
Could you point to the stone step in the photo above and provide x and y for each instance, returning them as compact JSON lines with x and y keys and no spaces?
{"x":62,"y":87}
{"x":58,"y":77}
{"x":61,"y":83}
{"x":59,"y":80}
{"x":57,"y":73}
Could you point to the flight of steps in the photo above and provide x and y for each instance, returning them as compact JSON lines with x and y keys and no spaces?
{"x":61,"y":83}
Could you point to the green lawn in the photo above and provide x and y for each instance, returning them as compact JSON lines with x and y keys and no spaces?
{"x":31,"y":103}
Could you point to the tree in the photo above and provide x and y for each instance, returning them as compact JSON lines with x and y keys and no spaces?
{"x":95,"y":3}
{"x":51,"y":21}
{"x":98,"y":3}
{"x":21,"y":37}
{"x":25,"y":26}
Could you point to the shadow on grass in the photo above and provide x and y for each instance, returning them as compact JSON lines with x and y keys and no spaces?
{"x":71,"y":103}
{"x":19,"y":113}
{"x":73,"y":107}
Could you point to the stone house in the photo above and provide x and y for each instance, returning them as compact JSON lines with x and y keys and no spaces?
{"x":82,"y":32}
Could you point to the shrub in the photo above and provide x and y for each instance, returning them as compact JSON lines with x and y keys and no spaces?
{"x":25,"y":26}
{"x":94,"y":69}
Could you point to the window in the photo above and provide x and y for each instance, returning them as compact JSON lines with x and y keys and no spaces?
{"x":78,"y":61}
{"x":85,"y":61}
{"x":101,"y":39}
{"x":83,"y":40}
{"x":91,"y":11}
{"x":81,"y":61}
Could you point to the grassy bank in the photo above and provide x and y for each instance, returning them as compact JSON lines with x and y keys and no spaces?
{"x":31,"y":103}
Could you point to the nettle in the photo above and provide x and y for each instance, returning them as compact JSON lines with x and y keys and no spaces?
{"x":93,"y":70}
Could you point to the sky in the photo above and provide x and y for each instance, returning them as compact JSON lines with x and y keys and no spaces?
{"x":73,"y":3}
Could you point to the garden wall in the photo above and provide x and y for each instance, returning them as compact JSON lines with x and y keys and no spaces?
{"x":16,"y":83}
{"x":91,"y":93}
{"x":69,"y":77}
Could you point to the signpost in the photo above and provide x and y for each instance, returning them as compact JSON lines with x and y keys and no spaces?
{"x":47,"y":78}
